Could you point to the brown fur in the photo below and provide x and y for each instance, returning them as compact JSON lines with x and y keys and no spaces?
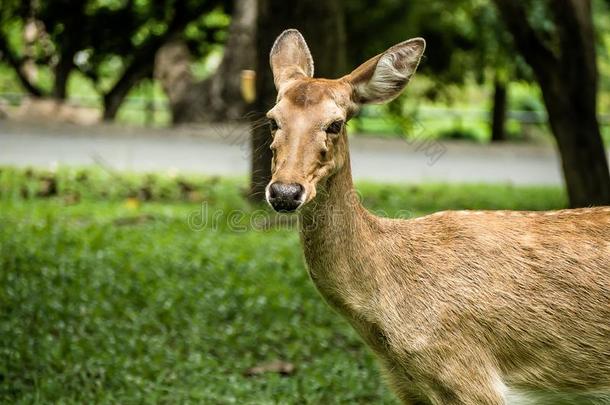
{"x":309,"y":92}
{"x":460,"y":307}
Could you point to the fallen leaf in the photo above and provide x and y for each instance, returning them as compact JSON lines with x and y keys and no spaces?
{"x":132,"y":203}
{"x":277,"y":366}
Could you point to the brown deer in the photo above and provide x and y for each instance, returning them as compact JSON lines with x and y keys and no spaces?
{"x":460,"y":307}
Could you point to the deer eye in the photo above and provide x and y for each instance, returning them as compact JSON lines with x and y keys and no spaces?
{"x":335,"y":127}
{"x":273,"y":126}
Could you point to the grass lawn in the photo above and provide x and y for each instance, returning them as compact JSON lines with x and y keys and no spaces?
{"x":113,"y":291}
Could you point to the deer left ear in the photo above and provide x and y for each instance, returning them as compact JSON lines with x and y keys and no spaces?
{"x":290,"y":58}
{"x":383,"y":77}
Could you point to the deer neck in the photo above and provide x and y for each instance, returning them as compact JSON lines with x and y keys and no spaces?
{"x":335,"y":232}
{"x":336,"y":215}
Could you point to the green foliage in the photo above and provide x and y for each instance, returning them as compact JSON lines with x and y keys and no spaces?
{"x":466,"y":41}
{"x":427,"y":198}
{"x":112,"y":43}
{"x":73,"y":186}
{"x":76,"y":185}
{"x":466,"y":36}
{"x":8,"y":80}
{"x":459,"y":133}
{"x":106,"y":301}
{"x":601,"y":18}
{"x":468,"y":47}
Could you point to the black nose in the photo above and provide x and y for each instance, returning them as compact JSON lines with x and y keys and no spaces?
{"x":285,"y":197}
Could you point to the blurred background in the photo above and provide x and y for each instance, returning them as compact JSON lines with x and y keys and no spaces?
{"x":137,"y":260}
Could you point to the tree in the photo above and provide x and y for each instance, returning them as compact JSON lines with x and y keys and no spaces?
{"x":563,"y":59}
{"x":98,"y":39}
{"x":498,"y":113}
{"x":218,"y":97}
{"x":465,"y":41}
{"x":174,"y":16}
{"x":321,"y":23}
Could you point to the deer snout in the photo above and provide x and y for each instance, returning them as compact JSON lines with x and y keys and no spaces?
{"x":285,"y":197}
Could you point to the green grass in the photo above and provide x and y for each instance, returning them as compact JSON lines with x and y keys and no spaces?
{"x":108,"y":295}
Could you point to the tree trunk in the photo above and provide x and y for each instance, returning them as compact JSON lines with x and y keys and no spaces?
{"x":568,"y":80}
{"x":140,"y":67}
{"x":137,"y":71}
{"x":225,"y":97}
{"x":69,"y":43}
{"x":217,"y":98}
{"x":143,"y":57}
{"x":498,"y":119}
{"x":321,"y":23}
{"x":62,"y":73}
{"x":583,"y":158}
{"x":7,"y":54}
{"x":173,"y":70}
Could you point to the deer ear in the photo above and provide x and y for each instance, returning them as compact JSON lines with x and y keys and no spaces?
{"x":383,"y":77}
{"x":290,"y":58}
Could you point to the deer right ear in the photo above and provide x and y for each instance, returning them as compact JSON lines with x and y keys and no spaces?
{"x":383,"y":77}
{"x":290,"y":58}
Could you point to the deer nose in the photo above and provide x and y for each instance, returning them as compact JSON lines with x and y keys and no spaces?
{"x":285,"y":197}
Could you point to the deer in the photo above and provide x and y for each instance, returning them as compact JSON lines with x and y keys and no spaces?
{"x":459,"y":307}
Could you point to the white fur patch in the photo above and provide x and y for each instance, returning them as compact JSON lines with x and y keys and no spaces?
{"x":514,"y":396}
{"x":383,"y":82}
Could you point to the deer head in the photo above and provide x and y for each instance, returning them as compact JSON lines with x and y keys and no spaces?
{"x":308,"y":120}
